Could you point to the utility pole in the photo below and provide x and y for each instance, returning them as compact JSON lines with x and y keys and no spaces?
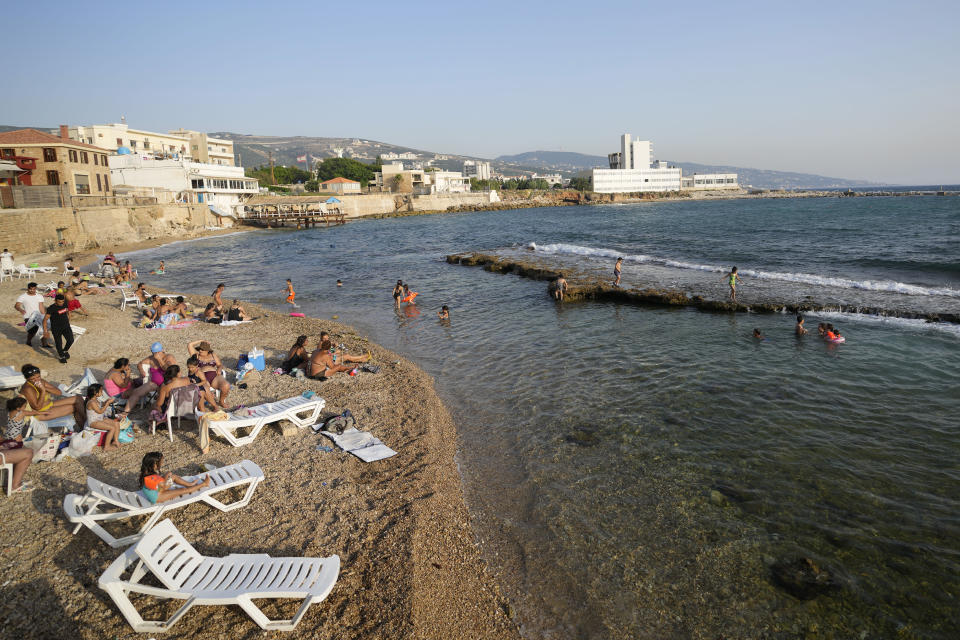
{"x":273,"y":178}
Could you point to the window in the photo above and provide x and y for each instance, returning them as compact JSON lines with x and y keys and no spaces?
{"x":72,"y":155}
{"x":194,"y":147}
{"x":96,"y":158}
{"x":53,"y":177}
{"x":82,"y":183}
{"x":103,"y":160}
{"x":133,"y":144}
{"x":49,"y":155}
{"x":119,"y":142}
{"x":106,"y":184}
{"x":196,"y":184}
{"x":83,"y":157}
{"x":146,"y":144}
{"x":99,"y":188}
{"x":8,"y":154}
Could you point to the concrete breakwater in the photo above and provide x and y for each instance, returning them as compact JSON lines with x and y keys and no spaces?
{"x":587,"y":288}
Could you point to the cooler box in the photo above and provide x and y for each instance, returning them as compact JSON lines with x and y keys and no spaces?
{"x":255,"y":357}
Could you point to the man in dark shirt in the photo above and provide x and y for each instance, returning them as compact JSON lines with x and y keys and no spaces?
{"x":59,"y":315}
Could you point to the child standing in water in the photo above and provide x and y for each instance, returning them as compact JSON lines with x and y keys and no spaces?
{"x":799,"y":329}
{"x":733,"y":277}
{"x":617,"y":268}
{"x":444,"y":313}
{"x":291,"y":295}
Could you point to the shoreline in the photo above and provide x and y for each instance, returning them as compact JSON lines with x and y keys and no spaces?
{"x":410,"y":564}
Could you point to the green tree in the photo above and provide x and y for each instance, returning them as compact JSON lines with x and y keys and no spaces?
{"x":536,"y":183}
{"x":581,"y":183}
{"x":345,"y":168}
{"x":397,"y":182}
{"x":312,"y":185}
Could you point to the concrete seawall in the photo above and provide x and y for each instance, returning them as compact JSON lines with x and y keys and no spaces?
{"x":25,"y":231}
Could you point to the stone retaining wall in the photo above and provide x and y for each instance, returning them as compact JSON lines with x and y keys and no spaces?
{"x":38,"y":230}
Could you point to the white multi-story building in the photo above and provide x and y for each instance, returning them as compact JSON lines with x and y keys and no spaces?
{"x":182,"y":144}
{"x":448,"y":182}
{"x":634,"y":170}
{"x":551,"y":178}
{"x":710,"y":181}
{"x":476,"y":169}
{"x":390,"y":155}
{"x":220,"y":186}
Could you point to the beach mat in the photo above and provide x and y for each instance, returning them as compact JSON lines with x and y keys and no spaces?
{"x":361,"y":444}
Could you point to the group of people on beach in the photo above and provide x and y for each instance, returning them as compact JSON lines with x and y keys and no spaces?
{"x":323,"y":362}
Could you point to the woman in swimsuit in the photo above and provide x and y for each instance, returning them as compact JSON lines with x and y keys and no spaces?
{"x":210,"y":367}
{"x":398,"y":293}
{"x":173,"y":380}
{"x":97,"y":419}
{"x":119,"y":383}
{"x":217,"y":301}
{"x":38,"y":393}
{"x":296,"y":356}
{"x":211,"y":315}
{"x":207,"y":396}
{"x":153,"y":366}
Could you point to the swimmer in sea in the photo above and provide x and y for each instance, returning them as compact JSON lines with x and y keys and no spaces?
{"x":821,"y":330}
{"x":444,"y":313}
{"x":339,"y":283}
{"x":398,"y":293}
{"x":290,"y":293}
{"x":799,"y":329}
{"x":758,"y":334}
{"x":617,"y":268}
{"x":733,"y":277}
{"x":159,"y":270}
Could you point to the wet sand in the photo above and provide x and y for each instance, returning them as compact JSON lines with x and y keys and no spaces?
{"x":410,"y":567}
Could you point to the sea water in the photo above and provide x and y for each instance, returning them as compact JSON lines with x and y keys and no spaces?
{"x":640,"y":472}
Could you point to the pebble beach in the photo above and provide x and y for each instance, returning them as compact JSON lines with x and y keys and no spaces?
{"x":410,"y":567}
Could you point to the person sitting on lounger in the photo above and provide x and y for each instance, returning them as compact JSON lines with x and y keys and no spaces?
{"x":39,"y":394}
{"x":119,"y":383}
{"x":210,"y":367}
{"x":97,"y":418}
{"x":153,"y":366}
{"x":207,"y":396}
{"x":322,"y":365}
{"x":141,"y":293}
{"x":19,"y":456}
{"x":157,"y":486}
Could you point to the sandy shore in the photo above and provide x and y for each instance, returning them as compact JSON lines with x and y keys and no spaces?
{"x":410,"y":567}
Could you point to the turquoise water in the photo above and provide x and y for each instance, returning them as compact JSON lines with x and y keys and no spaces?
{"x":640,"y":472}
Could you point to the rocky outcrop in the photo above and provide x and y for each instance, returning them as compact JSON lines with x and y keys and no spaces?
{"x":592,"y":290}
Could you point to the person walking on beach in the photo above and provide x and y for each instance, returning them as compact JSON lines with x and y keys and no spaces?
{"x":30,"y":306}
{"x":733,"y":277}
{"x":217,"y":300}
{"x":617,"y":268}
{"x":291,"y":295}
{"x":58,"y":315}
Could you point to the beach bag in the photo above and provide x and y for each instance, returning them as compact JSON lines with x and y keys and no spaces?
{"x":126,"y":435}
{"x":339,"y":424}
{"x":45,"y":447}
{"x":83,"y":442}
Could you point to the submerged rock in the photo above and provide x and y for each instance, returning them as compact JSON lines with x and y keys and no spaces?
{"x":583,"y":436}
{"x":802,"y":578}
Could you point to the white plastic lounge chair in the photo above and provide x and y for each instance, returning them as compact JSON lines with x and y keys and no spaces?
{"x":129,"y":296}
{"x":45,"y":269}
{"x":85,"y":510}
{"x":239,"y":578}
{"x":301,"y":411}
{"x":10,"y":378}
{"x":6,"y":266}
{"x":183,"y":403}
{"x":8,"y":468}
{"x":24,"y":270}
{"x":79,"y":388}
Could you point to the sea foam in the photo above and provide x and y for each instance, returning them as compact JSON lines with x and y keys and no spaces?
{"x":805,"y":278}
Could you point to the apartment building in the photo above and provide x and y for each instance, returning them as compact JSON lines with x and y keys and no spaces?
{"x":44,"y":159}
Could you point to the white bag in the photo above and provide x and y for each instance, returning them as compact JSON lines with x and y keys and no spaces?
{"x":45,"y":447}
{"x":83,"y":442}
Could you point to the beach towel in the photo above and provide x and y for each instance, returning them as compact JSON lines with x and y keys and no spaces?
{"x":361,"y":444}
{"x":233,"y":323}
{"x":177,"y":325}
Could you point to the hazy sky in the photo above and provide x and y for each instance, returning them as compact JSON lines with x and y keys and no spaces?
{"x":864,"y":90}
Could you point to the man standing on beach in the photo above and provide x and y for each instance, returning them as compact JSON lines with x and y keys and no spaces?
{"x":59,"y":316}
{"x":30,"y":306}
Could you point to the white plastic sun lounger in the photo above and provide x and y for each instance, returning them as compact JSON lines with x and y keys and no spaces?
{"x":85,"y":510}
{"x":238,"y":578}
{"x":301,"y":411}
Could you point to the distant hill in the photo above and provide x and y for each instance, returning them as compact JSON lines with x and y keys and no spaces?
{"x":570,"y":162}
{"x":255,"y":150}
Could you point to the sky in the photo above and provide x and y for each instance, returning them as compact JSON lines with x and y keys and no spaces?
{"x":859,"y":90}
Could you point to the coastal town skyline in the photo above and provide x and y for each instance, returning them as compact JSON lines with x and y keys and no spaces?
{"x":859,"y":95}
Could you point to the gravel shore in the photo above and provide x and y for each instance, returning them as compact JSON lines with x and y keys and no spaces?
{"x":409,"y":564}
